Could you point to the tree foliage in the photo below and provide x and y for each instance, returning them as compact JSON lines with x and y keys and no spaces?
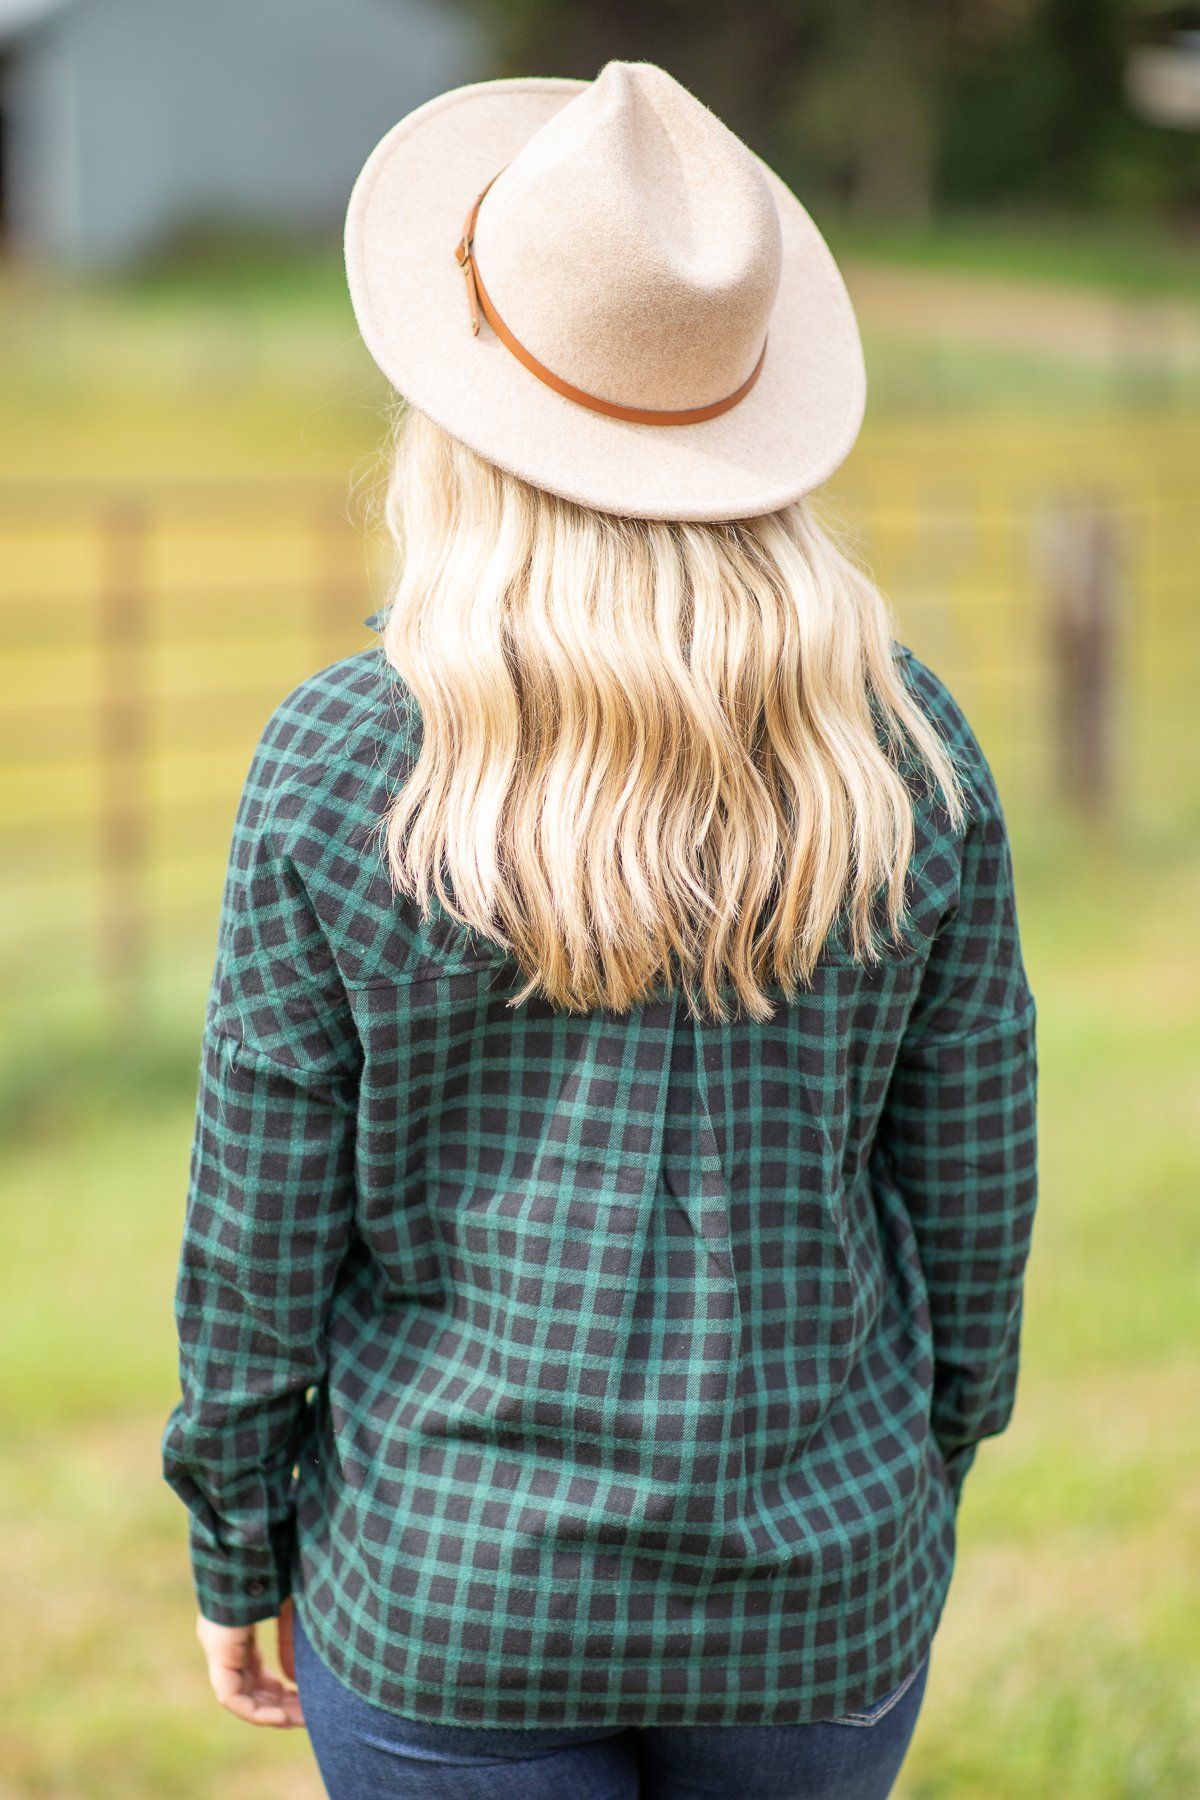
{"x":890,"y":106}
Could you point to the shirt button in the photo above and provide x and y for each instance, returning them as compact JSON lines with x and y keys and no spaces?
{"x":256,"y":1585}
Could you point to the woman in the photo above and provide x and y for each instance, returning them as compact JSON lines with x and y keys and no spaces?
{"x":615,"y":1154}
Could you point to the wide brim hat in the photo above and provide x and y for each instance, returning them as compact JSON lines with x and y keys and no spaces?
{"x":640,"y":315}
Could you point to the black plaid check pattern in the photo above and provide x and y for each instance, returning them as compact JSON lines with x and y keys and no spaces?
{"x":590,"y":1369}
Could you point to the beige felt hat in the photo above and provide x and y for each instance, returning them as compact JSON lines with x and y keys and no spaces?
{"x":598,"y":286}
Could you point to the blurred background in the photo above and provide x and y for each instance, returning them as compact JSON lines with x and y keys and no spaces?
{"x":189,"y":455}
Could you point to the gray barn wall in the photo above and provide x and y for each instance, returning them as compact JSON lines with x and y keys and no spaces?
{"x":132,"y":118}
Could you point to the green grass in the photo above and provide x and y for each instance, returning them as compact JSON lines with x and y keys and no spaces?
{"x":1130,"y":252}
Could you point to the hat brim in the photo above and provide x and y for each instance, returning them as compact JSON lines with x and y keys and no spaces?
{"x":783,"y":438}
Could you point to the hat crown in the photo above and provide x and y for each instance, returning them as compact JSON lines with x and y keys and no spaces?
{"x":633,"y":244}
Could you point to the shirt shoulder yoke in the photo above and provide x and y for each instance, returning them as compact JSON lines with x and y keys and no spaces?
{"x":333,"y":719}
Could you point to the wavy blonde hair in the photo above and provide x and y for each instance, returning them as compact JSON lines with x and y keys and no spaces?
{"x":649,"y":750}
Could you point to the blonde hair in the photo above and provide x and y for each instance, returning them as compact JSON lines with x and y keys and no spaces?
{"x":647,"y":747}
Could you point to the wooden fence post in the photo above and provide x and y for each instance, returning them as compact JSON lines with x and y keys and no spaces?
{"x":123,"y":748}
{"x":1084,"y":561}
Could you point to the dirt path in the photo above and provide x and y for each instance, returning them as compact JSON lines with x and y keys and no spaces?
{"x":993,"y":312}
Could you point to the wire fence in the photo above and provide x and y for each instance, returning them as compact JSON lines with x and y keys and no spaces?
{"x":148,"y":630}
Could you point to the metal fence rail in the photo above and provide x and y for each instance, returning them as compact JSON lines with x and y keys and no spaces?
{"x":147,"y":631}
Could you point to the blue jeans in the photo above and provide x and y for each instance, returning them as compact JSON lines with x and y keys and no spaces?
{"x":365,"y":1752}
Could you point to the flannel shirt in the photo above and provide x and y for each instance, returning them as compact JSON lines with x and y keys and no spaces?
{"x":602,"y":1368}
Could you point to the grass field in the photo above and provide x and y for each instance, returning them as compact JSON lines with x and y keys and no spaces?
{"x":1068,"y":1662}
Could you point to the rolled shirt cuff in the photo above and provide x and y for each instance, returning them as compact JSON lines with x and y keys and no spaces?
{"x":240,"y":1586}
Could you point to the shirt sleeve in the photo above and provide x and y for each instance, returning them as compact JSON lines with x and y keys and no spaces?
{"x":959,"y":1131}
{"x":268,"y":1215}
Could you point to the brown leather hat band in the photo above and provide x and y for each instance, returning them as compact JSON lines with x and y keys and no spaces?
{"x":480,"y":301}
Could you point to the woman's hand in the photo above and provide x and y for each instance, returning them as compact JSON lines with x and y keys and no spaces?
{"x":239,"y":1678}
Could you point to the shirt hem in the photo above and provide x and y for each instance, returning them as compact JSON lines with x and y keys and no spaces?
{"x":663,"y":1710}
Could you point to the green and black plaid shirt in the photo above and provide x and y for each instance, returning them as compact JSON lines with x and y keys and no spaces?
{"x":590,"y":1369}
